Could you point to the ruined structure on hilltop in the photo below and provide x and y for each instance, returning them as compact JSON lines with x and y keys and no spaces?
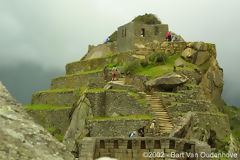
{"x":179,"y":84}
{"x":130,"y":36}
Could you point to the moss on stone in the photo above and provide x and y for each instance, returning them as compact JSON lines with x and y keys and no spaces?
{"x":44,"y":107}
{"x":172,"y":93}
{"x":56,"y":90}
{"x":59,"y":137}
{"x":173,"y":103}
{"x":122,"y":117}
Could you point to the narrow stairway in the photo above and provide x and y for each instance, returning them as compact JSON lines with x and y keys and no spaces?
{"x":160,"y":112}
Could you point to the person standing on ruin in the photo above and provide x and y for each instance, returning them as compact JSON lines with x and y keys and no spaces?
{"x":152,"y":126}
{"x":105,"y":73}
{"x":114,"y":73}
{"x":169,"y":36}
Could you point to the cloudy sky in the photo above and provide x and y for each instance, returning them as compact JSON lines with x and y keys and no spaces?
{"x":37,"y":38}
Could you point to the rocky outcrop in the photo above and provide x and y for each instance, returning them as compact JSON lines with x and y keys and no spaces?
{"x":21,"y":138}
{"x":204,"y":56}
{"x":77,"y":126}
{"x":100,"y":50}
{"x":167,"y":81}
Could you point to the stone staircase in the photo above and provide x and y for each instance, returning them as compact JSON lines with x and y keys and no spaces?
{"x":158,"y":109}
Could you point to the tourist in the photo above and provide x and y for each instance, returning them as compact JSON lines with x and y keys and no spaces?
{"x":133,"y":134}
{"x":114,"y":73}
{"x":107,"y":40}
{"x":105,"y":73}
{"x":141,"y":131}
{"x":169,"y":36}
{"x":152,"y":126}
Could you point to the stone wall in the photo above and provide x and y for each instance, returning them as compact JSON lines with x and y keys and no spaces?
{"x":121,"y":103}
{"x":65,"y":98}
{"x":100,"y":50}
{"x":207,"y":127}
{"x":79,"y":80}
{"x":117,"y":128}
{"x":87,"y":65}
{"x":139,"y":148}
{"x":137,"y":80}
{"x":57,"y":118}
{"x":96,"y":63}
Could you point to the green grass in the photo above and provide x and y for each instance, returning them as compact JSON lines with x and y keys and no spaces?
{"x":122,"y":117}
{"x":44,"y":107}
{"x":59,"y":137}
{"x":56,"y":90}
{"x":234,"y":118}
{"x":158,"y":70}
{"x":137,"y":96}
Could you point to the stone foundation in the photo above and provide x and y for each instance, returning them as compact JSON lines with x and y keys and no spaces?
{"x":140,"y":148}
{"x":65,"y":98}
{"x":58,"y":119}
{"x":117,"y":128}
{"x":118,"y":103}
{"x":79,"y":80}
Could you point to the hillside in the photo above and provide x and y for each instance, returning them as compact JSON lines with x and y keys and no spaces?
{"x":176,"y":85}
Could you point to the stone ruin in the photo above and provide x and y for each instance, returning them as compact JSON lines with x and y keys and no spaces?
{"x":96,"y":116}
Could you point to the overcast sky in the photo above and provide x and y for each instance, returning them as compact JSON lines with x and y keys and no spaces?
{"x":47,"y":34}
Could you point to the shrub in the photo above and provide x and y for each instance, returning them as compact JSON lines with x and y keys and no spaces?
{"x":157,"y":57}
{"x":147,"y":19}
{"x":132,"y":67}
{"x":144,"y":63}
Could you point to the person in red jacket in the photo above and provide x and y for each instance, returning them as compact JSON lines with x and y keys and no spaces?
{"x":169,"y":37}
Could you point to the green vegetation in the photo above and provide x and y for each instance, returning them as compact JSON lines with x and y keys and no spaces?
{"x":59,"y":137}
{"x":154,"y":65}
{"x":137,"y":96}
{"x":234,"y":118}
{"x":56,"y":132}
{"x":122,"y":117}
{"x":223,"y":145}
{"x":56,"y":90}
{"x":44,"y":107}
{"x":147,"y":19}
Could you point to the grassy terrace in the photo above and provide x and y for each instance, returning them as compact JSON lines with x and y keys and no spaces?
{"x":158,"y":70}
{"x":42,"y":107}
{"x":135,"y":95}
{"x":150,"y":67}
{"x":134,"y":117}
{"x":56,"y":90}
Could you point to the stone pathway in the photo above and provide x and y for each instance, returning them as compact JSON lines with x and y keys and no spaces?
{"x":160,"y":112}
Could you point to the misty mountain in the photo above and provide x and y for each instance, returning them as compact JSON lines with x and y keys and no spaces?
{"x":27,"y":78}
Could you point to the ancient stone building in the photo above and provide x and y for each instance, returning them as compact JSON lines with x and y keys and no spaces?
{"x":131,"y":35}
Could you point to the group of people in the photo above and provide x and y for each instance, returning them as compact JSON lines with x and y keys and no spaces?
{"x":115,"y":73}
{"x":141,"y":130}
